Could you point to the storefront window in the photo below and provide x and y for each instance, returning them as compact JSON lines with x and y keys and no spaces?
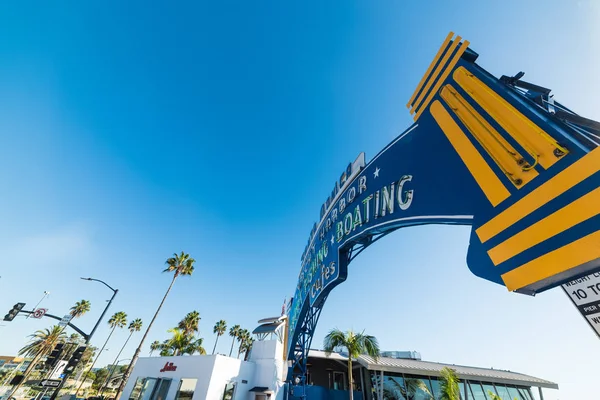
{"x":147,"y":389}
{"x":435,"y":388}
{"x":489,"y":388}
{"x":393,"y":388}
{"x":186,"y":389}
{"x":229,"y":391}
{"x":135,"y":393}
{"x":477,"y":391}
{"x":461,"y":388}
{"x":503,"y":392}
{"x":417,"y":388}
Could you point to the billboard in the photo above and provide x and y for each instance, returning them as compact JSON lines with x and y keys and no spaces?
{"x":511,"y":162}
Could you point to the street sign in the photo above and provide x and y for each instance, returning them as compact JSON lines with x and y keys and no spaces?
{"x":65,"y":320}
{"x":585,"y":295}
{"x":39,"y":313}
{"x":57,"y":372}
{"x":50,"y":383}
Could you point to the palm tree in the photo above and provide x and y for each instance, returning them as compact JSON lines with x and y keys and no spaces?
{"x":234,"y":332}
{"x":189,"y":324}
{"x":118,"y":320}
{"x":134,"y":326}
{"x":219,"y":330}
{"x":80,"y":308}
{"x":154,"y":346}
{"x":195,"y":346}
{"x":246,"y":347}
{"x":356,"y":344}
{"x":449,"y":384}
{"x":41,"y":344}
{"x":178,"y":342}
{"x":243,"y":337}
{"x":181,"y":264}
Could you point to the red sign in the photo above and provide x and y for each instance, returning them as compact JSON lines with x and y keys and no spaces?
{"x":169,"y":367}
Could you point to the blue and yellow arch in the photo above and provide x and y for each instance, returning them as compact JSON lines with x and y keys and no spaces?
{"x":498,"y":154}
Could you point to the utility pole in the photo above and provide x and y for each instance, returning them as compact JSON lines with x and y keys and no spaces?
{"x":89,"y":337}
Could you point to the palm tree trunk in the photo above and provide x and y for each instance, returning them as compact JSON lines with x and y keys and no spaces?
{"x":96,"y":359}
{"x":350,"y":380}
{"x":231,"y":350}
{"x":27,"y":372}
{"x":136,"y":355}
{"x":216,"y":341}
{"x":114,"y":367}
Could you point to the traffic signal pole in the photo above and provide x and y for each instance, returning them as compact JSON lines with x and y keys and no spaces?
{"x":87,"y":337}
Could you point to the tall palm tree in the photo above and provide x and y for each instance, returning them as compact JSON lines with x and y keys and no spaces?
{"x":179,"y":264}
{"x":246,"y":347}
{"x":118,"y":320}
{"x":356,"y":344}
{"x":243,"y":338}
{"x":189,"y":324}
{"x":219,"y":329}
{"x":449,"y":384}
{"x":134,"y":326}
{"x":234,"y":332}
{"x":195,"y":346}
{"x":154,"y":346}
{"x":81,"y":307}
{"x":41,"y":344}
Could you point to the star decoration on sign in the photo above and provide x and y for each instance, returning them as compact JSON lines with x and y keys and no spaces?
{"x":376,"y":173}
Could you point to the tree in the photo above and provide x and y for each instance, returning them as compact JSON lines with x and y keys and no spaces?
{"x":219,"y":330}
{"x":134,"y":326}
{"x":189,"y":324}
{"x":234,"y":332}
{"x":118,"y":320}
{"x":154,"y":346}
{"x":101,"y":376}
{"x":179,"y":264}
{"x":246,"y":347}
{"x":80,"y":308}
{"x":355,"y":344}
{"x":243,"y":338}
{"x":449,"y":384}
{"x":181,"y":344}
{"x":41,"y":344}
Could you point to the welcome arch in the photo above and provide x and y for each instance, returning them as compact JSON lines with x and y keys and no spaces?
{"x":497,"y":154}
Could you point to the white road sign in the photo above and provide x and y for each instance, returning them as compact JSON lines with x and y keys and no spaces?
{"x":58,"y":370}
{"x":65,"y":320}
{"x":585,"y":295}
{"x":39,"y":313}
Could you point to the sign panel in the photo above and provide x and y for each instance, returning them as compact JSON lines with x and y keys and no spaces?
{"x":57,"y":372}
{"x":39,"y":313}
{"x":65,"y":320}
{"x":50,"y":383}
{"x":585,"y":295}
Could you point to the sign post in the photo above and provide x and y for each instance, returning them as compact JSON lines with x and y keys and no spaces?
{"x":585,"y":295}
{"x":65,"y":320}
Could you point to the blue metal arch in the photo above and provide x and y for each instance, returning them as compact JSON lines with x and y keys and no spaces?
{"x":498,"y":154}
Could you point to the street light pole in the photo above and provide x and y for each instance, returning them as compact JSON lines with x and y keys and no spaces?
{"x":89,"y":337}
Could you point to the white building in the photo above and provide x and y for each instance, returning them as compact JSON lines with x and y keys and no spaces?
{"x":394,"y":376}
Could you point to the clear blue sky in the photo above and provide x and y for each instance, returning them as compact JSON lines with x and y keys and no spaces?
{"x":131,"y":130}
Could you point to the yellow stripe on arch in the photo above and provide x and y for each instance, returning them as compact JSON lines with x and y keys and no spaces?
{"x":435,"y":60}
{"x":485,"y":177}
{"x":554,"y":187}
{"x":572,"y":214}
{"x":560,"y":260}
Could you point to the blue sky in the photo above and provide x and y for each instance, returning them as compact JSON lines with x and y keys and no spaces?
{"x":131,"y":130}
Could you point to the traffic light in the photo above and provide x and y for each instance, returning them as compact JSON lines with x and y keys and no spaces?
{"x":14,"y":311}
{"x":17,"y":379}
{"x":55,"y":355}
{"x":74,"y":360}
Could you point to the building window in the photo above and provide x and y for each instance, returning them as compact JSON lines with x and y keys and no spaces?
{"x":229,"y":391}
{"x":487,"y":388}
{"x":150,"y":389}
{"x":137,"y":388}
{"x":393,"y":388}
{"x":477,"y":391}
{"x":339,"y":380}
{"x":186,"y":389}
{"x":503,"y":393}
